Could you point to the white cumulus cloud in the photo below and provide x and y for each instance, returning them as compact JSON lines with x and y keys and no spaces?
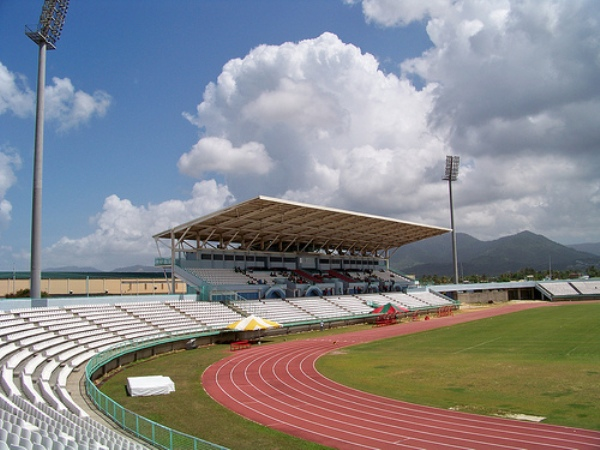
{"x":517,"y":90}
{"x":69,"y":107}
{"x":64,"y":105}
{"x":213,"y":154}
{"x":15,"y":96}
{"x":510,"y":86}
{"x":10,"y":162}
{"x":393,"y":12}
{"x":336,"y":128}
{"x":123,"y":231}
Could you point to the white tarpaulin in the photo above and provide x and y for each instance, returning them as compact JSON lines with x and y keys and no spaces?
{"x":154,"y":385}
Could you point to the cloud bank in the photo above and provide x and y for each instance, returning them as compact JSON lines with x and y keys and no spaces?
{"x":331,"y":127}
{"x":123,"y":231}
{"x":10,"y":162}
{"x":64,"y":106}
{"x":70,"y":108}
{"x":15,"y":96}
{"x":509,"y":86}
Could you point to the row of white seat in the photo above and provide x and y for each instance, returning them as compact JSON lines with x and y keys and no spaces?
{"x":351,"y":303}
{"x":320,"y":308}
{"x":431,"y":299}
{"x":275,"y":309}
{"x":573,"y":288}
{"x":590,"y":287}
{"x":36,"y":382}
{"x":24,"y":425}
{"x":37,"y":360}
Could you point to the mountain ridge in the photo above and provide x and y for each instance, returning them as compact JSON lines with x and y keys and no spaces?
{"x":512,"y":253}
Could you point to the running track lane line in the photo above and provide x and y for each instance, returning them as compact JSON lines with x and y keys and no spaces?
{"x":278,"y":386}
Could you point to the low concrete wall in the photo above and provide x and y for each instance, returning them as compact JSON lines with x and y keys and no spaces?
{"x":483,"y":297}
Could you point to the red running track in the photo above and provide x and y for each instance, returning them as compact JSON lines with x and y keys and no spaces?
{"x":278,"y":386}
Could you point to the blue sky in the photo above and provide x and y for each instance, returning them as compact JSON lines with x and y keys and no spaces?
{"x":159,"y":112}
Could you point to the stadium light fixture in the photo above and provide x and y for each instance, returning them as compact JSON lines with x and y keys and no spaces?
{"x":451,"y":174}
{"x":45,"y":35}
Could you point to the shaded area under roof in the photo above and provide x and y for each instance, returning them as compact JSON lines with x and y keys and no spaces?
{"x":265,"y":223}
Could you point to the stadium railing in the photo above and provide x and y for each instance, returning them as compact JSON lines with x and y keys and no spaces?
{"x":154,"y":433}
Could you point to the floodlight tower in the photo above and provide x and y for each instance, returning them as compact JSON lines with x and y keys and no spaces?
{"x":46,"y":34}
{"x":451,"y":174}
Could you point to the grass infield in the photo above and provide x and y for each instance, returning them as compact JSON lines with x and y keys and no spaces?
{"x":543,"y":362}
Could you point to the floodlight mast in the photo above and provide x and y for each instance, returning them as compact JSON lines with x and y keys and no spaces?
{"x":46,"y":34}
{"x":451,"y":174}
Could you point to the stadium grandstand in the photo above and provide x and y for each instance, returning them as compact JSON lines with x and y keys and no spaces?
{"x":271,"y":248}
{"x":299,"y":265}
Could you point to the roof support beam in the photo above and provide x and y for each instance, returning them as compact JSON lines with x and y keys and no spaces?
{"x":290,"y":244}
{"x":306,"y":246}
{"x":208,"y":237}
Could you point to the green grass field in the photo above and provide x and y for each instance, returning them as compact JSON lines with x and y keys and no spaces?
{"x":542,"y":362}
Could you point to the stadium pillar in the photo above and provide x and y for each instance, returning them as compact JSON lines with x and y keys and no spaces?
{"x":36,"y":210}
{"x":454,"y":252}
{"x":45,"y":35}
{"x":172,"y":261}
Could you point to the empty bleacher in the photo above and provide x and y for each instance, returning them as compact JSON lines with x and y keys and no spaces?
{"x":559,"y":288}
{"x":591,"y":287}
{"x":219,"y":276}
{"x":41,"y":347}
{"x":319,"y":307}
{"x":162,"y":317}
{"x":213,"y":315}
{"x":36,"y":410}
{"x":351,"y":303}
{"x":274,"y":309}
{"x":430,"y":298}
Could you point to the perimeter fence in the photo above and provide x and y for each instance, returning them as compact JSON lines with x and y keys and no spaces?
{"x":154,"y":433}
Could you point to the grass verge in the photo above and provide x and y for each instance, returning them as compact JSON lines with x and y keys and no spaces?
{"x":190,"y":410}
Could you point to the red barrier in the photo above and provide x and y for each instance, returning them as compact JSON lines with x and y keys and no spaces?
{"x":445,"y":311}
{"x":239,"y":345}
{"x":386,"y":319}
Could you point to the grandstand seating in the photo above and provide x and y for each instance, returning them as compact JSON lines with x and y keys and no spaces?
{"x":162,"y":317}
{"x":213,"y":315}
{"x":559,"y":288}
{"x":430,"y":298}
{"x":351,"y":304}
{"x":41,"y":347}
{"x":36,"y":409}
{"x":413,"y":301}
{"x":265,"y":276}
{"x":219,"y":276}
{"x":587,"y":287}
{"x":280,"y":311}
{"x":341,"y":276}
{"x":319,"y":307}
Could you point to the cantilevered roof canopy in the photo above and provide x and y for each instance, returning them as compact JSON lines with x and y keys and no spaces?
{"x":264,"y":223}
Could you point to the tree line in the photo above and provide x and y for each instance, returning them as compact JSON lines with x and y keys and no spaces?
{"x":526,"y":274}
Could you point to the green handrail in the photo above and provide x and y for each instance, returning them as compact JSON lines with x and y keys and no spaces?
{"x":154,"y":433}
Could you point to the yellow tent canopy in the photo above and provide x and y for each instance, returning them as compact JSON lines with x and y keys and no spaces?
{"x":253,"y":323}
